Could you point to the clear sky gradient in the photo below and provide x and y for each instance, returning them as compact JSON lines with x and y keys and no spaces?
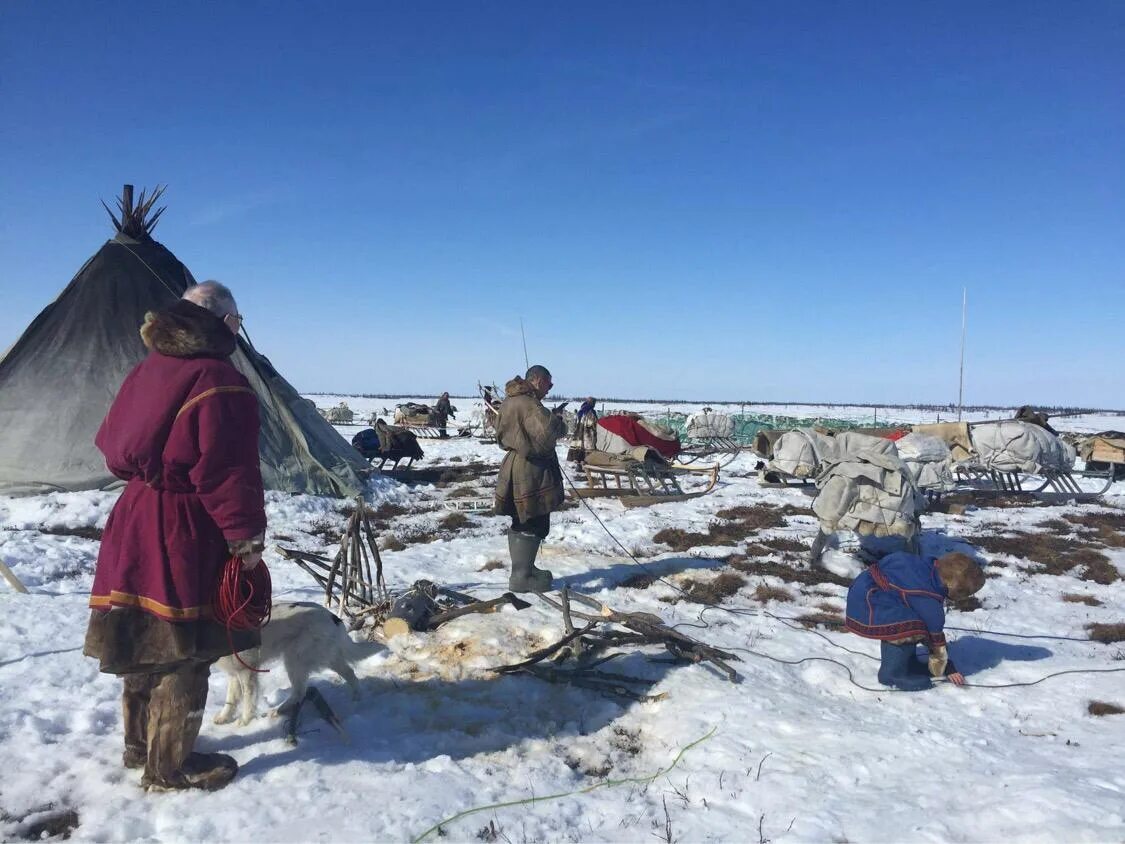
{"x":744,"y":200}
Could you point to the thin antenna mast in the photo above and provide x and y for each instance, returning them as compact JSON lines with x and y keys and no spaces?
{"x":961,"y":380}
{"x":523,"y":336}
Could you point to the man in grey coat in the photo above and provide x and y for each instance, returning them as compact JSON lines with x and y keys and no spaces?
{"x":530,"y":485}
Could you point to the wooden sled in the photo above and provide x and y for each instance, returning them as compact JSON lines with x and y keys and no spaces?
{"x":425,"y":428}
{"x":722,"y":449}
{"x":641,"y":485}
{"x":491,"y":397}
{"x":1055,"y":483}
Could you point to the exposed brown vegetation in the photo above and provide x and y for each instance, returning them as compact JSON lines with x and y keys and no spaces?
{"x":679,"y":540}
{"x":1054,"y":554}
{"x":1106,"y":526}
{"x":833,"y":621}
{"x":811,"y":576}
{"x":785,"y":544}
{"x":729,"y":533}
{"x":1097,"y":519}
{"x":465,"y":492}
{"x":638,"y":581}
{"x":1107,"y":633}
{"x":393,"y":543}
{"x":454,"y":521}
{"x":1088,"y":600}
{"x":765,"y":594}
{"x":1057,"y":525}
{"x":387,"y":511}
{"x":754,"y":517}
{"x":970,"y":604}
{"x":492,"y":565}
{"x":734,"y":525}
{"x":627,"y":741}
{"x":1101,"y":708}
{"x":960,"y":501}
{"x":86,"y":532}
{"x":1101,"y":571}
{"x":715,"y":590}
{"x":790,"y":510}
{"x":329,"y":532}
{"x":757,"y":550}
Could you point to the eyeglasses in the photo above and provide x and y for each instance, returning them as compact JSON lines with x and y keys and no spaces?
{"x":236,"y":316}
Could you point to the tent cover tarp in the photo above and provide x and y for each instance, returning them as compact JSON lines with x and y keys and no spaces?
{"x":57,"y":382}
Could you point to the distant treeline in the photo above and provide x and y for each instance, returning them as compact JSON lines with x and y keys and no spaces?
{"x":1053,"y":410}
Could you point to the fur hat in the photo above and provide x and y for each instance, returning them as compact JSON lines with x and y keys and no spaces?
{"x":960,"y":574}
{"x":185,"y":330}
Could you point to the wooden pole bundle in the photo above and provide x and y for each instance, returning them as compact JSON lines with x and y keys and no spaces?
{"x":585,"y":646}
{"x":350,"y":586}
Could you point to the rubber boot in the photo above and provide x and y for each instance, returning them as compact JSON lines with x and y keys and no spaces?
{"x":525,"y":577}
{"x":896,"y":670}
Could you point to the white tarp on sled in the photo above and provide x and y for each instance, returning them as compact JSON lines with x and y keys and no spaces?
{"x":929,"y":460}
{"x":1015,"y":446}
{"x":708,"y":424}
{"x":868,"y":490}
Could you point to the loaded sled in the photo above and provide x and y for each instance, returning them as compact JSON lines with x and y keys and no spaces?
{"x":635,"y":462}
{"x":491,"y":398}
{"x":709,"y":436}
{"x":642,"y":479}
{"x":993,"y":458}
{"x":386,"y":443}
{"x":425,"y":422}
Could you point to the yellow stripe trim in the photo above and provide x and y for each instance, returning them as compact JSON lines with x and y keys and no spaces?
{"x":124,"y":599}
{"x":214,"y":391}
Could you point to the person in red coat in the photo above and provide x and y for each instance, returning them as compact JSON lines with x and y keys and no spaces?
{"x":183,"y":434}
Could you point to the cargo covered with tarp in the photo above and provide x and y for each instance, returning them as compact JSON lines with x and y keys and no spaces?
{"x":1014,"y":446}
{"x":866,"y":488}
{"x":623,"y":433}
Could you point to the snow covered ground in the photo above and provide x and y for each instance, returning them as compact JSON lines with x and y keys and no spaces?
{"x":794,"y":752}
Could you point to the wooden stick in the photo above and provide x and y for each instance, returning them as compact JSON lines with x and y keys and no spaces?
{"x":543,"y":653}
{"x":14,"y":581}
{"x":372,"y":537}
{"x":477,"y":607}
{"x":567,"y":622}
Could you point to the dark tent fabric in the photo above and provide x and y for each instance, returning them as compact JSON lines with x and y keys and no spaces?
{"x":57,"y":382}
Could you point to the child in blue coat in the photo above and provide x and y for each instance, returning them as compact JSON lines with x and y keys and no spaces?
{"x":900,"y":601}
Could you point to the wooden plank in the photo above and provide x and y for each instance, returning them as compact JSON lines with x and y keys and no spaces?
{"x":10,"y":576}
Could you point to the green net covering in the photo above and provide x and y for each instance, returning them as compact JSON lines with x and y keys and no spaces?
{"x":747,"y":425}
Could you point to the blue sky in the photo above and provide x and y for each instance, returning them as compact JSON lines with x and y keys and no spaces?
{"x":746,"y":200}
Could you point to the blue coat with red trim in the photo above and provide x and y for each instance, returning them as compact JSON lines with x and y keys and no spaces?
{"x":900,"y":596}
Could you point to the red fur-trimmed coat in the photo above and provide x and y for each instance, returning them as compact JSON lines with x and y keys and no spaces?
{"x":183,"y":434}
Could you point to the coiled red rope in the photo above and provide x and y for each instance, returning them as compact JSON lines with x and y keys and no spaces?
{"x":243,"y":601}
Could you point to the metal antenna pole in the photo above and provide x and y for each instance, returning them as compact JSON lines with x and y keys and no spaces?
{"x":961,"y":380}
{"x":523,"y":336}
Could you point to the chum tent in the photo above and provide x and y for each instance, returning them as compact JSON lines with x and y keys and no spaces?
{"x":58,"y":380}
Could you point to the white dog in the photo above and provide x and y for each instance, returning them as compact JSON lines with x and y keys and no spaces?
{"x":306,"y":638}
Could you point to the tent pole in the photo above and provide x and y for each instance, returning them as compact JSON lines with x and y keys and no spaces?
{"x":961,"y":379}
